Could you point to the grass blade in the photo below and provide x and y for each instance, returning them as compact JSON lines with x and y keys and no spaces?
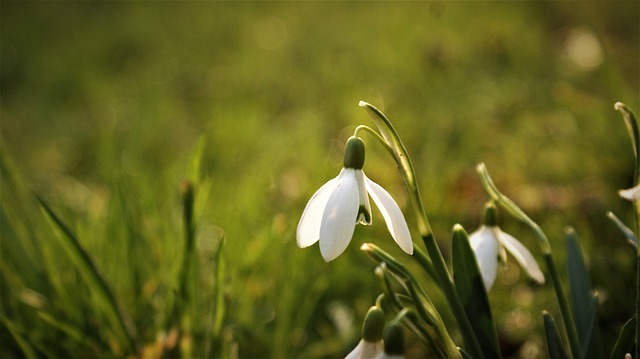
{"x":96,"y":281}
{"x":22,"y":343}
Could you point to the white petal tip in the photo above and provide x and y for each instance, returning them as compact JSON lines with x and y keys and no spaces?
{"x":539,"y":279}
{"x":362,"y":104}
{"x":617,"y":106}
{"x":629,"y":194}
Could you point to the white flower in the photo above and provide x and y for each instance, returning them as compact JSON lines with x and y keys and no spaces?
{"x":334,"y":210}
{"x":632,"y":194}
{"x":366,"y":350}
{"x":371,"y":343}
{"x":489,"y":243}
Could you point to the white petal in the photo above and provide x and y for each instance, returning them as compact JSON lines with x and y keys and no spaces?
{"x":632,"y":194}
{"x":485,"y":245}
{"x":392,"y":214}
{"x":308,"y":231}
{"x":364,"y":210}
{"x":365,"y":349}
{"x":522,"y":255}
{"x":339,"y":217}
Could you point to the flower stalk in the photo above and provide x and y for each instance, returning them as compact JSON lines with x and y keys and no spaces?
{"x":513,"y":209}
{"x":632,"y":127}
{"x":401,"y":157}
{"x":423,"y":304}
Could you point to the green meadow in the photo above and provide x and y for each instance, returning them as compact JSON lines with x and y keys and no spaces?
{"x":156,"y":158}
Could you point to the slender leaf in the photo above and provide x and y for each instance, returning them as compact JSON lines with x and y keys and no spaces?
{"x":585,"y":307}
{"x":89,"y":271}
{"x":554,"y":343}
{"x":67,"y":329}
{"x":472,"y":293}
{"x":591,"y":345}
{"x":626,"y":340}
{"x":21,"y":341}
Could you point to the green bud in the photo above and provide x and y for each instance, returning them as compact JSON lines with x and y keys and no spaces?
{"x":354,"y":153}
{"x":490,"y":215}
{"x":394,"y":339}
{"x":373,"y":325}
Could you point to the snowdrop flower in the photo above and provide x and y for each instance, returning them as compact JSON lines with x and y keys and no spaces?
{"x":334,"y":210}
{"x":632,"y":194}
{"x":371,"y":343}
{"x":489,"y":243}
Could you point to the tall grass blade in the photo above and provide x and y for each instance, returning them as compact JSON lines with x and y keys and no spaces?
{"x":219,"y":309}
{"x":89,"y":271}
{"x":472,"y":293}
{"x":22,"y":342}
{"x":69,"y":331}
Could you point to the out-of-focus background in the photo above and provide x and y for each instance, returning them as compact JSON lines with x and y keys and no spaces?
{"x":103,"y":106}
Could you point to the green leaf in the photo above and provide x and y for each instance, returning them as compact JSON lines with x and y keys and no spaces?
{"x":585,"y":305}
{"x":554,"y":343}
{"x":195,"y":165}
{"x":626,"y":340}
{"x":470,"y":288}
{"x":19,"y":339}
{"x":89,"y":271}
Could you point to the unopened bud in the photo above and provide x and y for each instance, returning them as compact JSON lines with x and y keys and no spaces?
{"x":354,"y":153}
{"x":373,"y":325}
{"x":490,"y":215}
{"x":394,"y":339}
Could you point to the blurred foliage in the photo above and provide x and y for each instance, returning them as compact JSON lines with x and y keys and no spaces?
{"x":103,"y":105}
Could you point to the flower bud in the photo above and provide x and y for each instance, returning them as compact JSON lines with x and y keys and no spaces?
{"x":354,"y":153}
{"x":490,"y":215}
{"x":373,"y":325}
{"x":394,"y":339}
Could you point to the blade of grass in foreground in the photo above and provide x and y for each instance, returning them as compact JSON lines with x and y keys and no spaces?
{"x":24,"y":345}
{"x":89,"y":271}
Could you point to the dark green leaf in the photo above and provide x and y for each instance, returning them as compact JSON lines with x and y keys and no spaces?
{"x":626,"y":339}
{"x":585,"y":305}
{"x":89,"y":271}
{"x":470,"y":287}
{"x":554,"y":343}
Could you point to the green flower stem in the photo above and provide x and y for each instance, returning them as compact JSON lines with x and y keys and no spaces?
{"x":634,"y":132}
{"x":400,"y":155}
{"x":422,"y":303}
{"x":409,"y":317}
{"x":509,"y":206}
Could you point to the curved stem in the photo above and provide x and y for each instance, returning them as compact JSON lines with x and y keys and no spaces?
{"x":401,"y":157}
{"x":561,"y":297}
{"x":634,"y":132}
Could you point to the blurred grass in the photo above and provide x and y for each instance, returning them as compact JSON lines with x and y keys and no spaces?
{"x":103,"y":105}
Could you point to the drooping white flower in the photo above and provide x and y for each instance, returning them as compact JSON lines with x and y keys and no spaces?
{"x":371,"y":343}
{"x":333,"y":211}
{"x":365,"y":350}
{"x":632,"y":194}
{"x":490,"y":245}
